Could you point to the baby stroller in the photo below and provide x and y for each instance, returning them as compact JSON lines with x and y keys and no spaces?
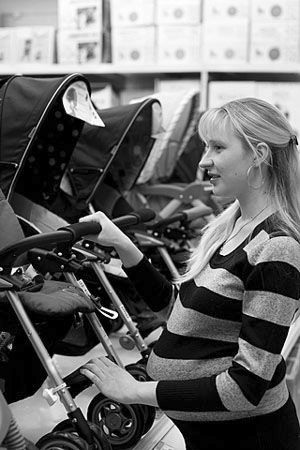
{"x":155,"y":185}
{"x":116,"y":191}
{"x":33,"y":299}
{"x":45,"y":143}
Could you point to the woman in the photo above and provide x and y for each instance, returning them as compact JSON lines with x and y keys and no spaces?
{"x":221,"y":377}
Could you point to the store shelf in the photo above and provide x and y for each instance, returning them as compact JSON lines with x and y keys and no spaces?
{"x":109,"y":68}
{"x":58,"y":69}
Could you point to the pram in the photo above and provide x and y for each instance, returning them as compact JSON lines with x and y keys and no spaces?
{"x":133,"y":421}
{"x":35,"y":170}
{"x":42,"y":299}
{"x":117,"y":189}
{"x":155,"y":186}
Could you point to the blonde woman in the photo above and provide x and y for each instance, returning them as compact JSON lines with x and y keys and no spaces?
{"x":217,"y":369}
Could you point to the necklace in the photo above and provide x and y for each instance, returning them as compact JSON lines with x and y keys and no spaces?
{"x":242,"y":227}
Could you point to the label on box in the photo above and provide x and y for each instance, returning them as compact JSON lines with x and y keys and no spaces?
{"x":225,"y":41}
{"x":174,"y":12}
{"x":79,"y":47}
{"x":178,"y":44}
{"x":225,"y":9}
{"x":80,"y":14}
{"x":275,"y":10}
{"x":274,"y":42}
{"x":33,"y":44}
{"x":132,"y":13}
{"x":133,"y":45}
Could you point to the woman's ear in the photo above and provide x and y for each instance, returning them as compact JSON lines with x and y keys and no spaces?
{"x":262,"y":153}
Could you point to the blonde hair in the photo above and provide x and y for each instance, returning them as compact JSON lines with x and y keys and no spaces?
{"x":253,"y":121}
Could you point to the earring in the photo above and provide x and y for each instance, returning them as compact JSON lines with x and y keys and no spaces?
{"x":256,"y":188}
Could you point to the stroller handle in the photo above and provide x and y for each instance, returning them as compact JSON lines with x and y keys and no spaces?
{"x":69,"y":234}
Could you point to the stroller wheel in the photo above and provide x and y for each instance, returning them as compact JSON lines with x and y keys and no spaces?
{"x":123,"y":425}
{"x":139,"y":372}
{"x":61,"y":440}
{"x":100,"y":440}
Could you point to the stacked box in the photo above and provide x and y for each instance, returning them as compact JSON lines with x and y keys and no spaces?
{"x":225,"y":41}
{"x":78,"y":47}
{"x":221,"y":92}
{"x":80,"y":14}
{"x":177,"y":12}
{"x":179,"y":44}
{"x":274,"y":10}
{"x":131,"y":13}
{"x":133,"y":45}
{"x":275,"y":32}
{"x":80,"y":31}
{"x":274,"y":42}
{"x":284,"y":96}
{"x":105,"y":97}
{"x":33,"y":44}
{"x":225,"y":9}
{"x":6,"y":45}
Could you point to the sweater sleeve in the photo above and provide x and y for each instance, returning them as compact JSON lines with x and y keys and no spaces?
{"x":152,"y":286}
{"x":270,"y":299}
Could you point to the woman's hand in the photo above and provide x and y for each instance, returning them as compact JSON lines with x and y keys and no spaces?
{"x":117,"y":384}
{"x":112,"y":236}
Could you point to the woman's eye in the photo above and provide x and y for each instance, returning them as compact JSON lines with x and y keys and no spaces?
{"x":218,"y":148}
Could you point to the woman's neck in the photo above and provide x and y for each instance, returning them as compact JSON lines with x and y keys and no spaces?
{"x":252,"y":207}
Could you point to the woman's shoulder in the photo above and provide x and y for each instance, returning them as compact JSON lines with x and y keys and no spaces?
{"x":273,"y":246}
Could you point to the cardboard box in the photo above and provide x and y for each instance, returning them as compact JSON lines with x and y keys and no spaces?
{"x":80,"y":14}
{"x":220,"y":92}
{"x":179,"y":44}
{"x":226,"y":41}
{"x":225,"y":9}
{"x":105,"y":97}
{"x":133,"y":45}
{"x":33,"y":44}
{"x":274,"y":42}
{"x":284,"y":95}
{"x":176,"y":84}
{"x":275,"y":10}
{"x":132,"y":13}
{"x":79,"y":47}
{"x":172,"y":12}
{"x":6,"y":45}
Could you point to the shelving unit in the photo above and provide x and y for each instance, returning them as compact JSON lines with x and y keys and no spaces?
{"x":120,"y":73}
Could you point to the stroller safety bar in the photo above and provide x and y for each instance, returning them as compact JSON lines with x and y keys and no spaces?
{"x":134,"y":218}
{"x":183,"y":216}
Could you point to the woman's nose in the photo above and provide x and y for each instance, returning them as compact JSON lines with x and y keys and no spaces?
{"x":205,"y":162}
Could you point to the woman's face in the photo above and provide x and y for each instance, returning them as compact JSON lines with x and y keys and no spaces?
{"x":226,"y":162}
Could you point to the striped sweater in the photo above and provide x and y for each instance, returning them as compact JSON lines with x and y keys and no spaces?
{"x":219,"y":356}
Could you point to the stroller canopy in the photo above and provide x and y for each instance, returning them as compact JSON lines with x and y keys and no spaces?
{"x":115,"y":154}
{"x":37,"y":136}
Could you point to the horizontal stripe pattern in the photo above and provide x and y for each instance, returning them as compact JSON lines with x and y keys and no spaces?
{"x":196,"y":324}
{"x":279,"y":307}
{"x":221,"y":348}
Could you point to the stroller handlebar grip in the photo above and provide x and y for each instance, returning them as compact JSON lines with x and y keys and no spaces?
{"x":67,"y":234}
{"x":81,"y":229}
